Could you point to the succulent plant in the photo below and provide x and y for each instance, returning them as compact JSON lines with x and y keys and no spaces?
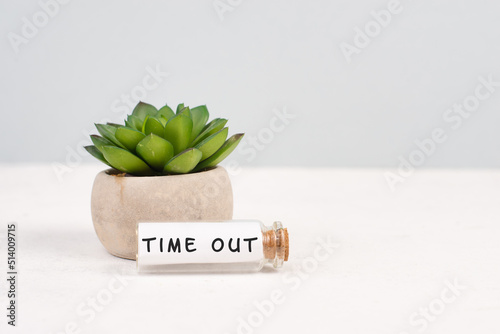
{"x":161,"y":142}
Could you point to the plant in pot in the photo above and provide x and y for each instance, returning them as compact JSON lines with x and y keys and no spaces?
{"x":163,"y":168}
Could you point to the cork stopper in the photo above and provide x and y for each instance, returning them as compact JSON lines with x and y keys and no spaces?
{"x":276,"y":243}
{"x":269,"y":242}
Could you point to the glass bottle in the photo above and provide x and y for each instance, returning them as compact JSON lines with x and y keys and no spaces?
{"x":224,"y":246}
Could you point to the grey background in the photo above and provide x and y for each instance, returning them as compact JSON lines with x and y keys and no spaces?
{"x":264,"y":55}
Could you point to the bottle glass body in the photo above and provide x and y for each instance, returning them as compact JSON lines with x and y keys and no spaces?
{"x":224,"y":246}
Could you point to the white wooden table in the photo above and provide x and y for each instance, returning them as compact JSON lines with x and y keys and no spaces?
{"x":422,"y":259}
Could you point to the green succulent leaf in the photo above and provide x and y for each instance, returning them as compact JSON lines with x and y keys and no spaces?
{"x":209,"y":129}
{"x":185,"y":111}
{"x":221,"y":153}
{"x":100,"y":141}
{"x":143,"y":127}
{"x":114,"y":124}
{"x":180,"y":106}
{"x":130,"y":125}
{"x":125,"y":161}
{"x":183,"y":162}
{"x":163,"y":121}
{"x":156,"y":151}
{"x":108,"y":132}
{"x":142,"y":110}
{"x":165,"y":112}
{"x":129,"y":137}
{"x":178,"y":132}
{"x":134,"y":122}
{"x":96,"y":154}
{"x":212,"y":143}
{"x":199,"y":115}
{"x":152,"y":125}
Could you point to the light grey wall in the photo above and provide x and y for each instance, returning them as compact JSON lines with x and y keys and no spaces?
{"x":261,"y":57}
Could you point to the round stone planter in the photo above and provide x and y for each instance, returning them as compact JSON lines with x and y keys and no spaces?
{"x":119,"y":201}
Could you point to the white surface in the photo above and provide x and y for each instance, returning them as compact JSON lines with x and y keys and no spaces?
{"x":92,"y":56}
{"x":396,"y":250}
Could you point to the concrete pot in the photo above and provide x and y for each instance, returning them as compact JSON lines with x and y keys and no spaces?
{"x":119,"y":201}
